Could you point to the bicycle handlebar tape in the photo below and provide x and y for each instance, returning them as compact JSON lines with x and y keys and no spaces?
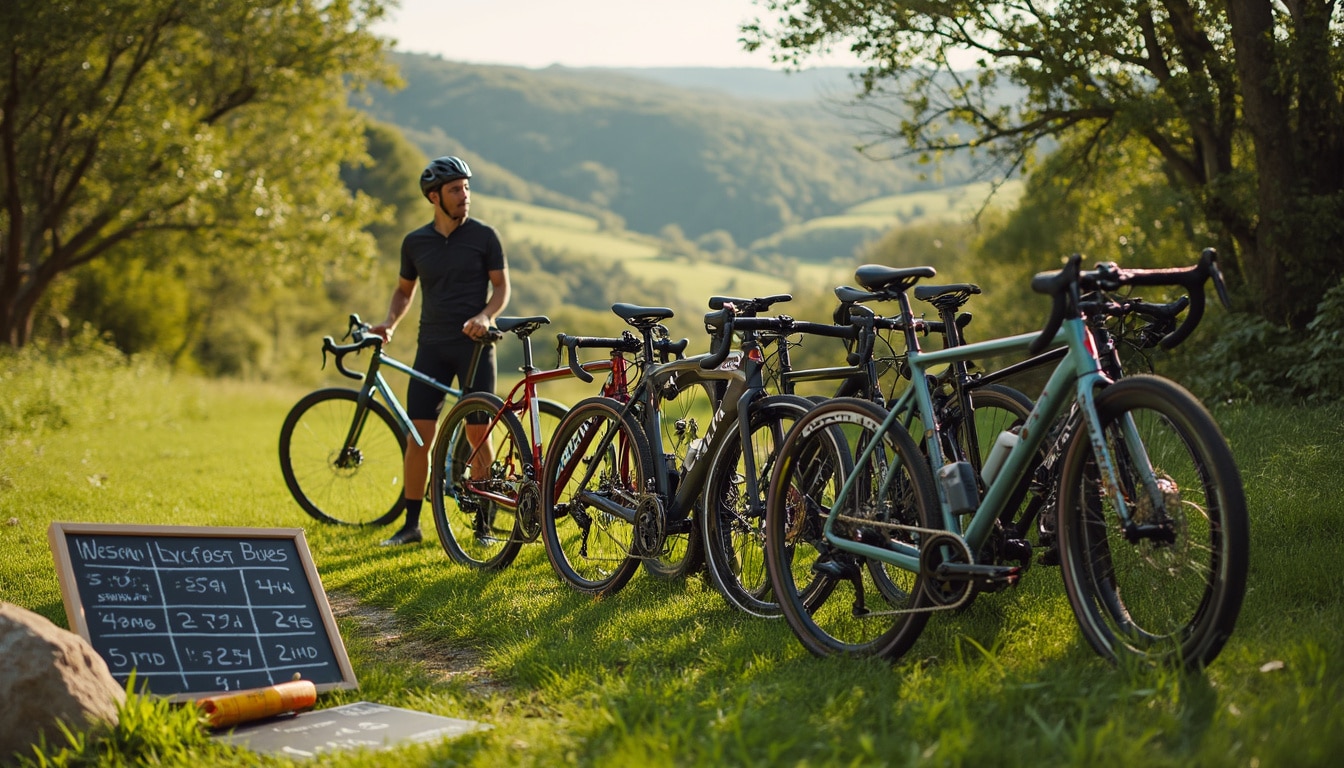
{"x":1054,"y":284}
{"x":230,"y":709}
{"x":572,"y":343}
{"x":725,"y":339}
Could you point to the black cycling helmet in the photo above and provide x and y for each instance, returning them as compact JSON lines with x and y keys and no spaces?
{"x":441,"y":171}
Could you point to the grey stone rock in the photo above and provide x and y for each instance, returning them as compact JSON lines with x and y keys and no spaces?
{"x":48,"y":674}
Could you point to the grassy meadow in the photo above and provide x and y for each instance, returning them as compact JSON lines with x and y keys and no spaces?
{"x":665,"y":673}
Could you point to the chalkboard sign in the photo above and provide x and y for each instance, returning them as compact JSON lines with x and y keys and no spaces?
{"x":196,"y":611}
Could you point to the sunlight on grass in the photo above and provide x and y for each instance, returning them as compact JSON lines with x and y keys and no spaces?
{"x":666,"y":673}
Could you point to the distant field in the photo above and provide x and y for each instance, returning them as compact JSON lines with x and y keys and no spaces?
{"x":827,"y":248}
{"x":579,"y":234}
{"x":838,"y":236}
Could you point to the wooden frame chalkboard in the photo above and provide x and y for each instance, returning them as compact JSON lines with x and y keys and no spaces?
{"x":196,"y":611}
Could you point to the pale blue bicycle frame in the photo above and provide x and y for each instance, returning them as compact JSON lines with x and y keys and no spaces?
{"x":381,"y":386}
{"x":1075,"y":379}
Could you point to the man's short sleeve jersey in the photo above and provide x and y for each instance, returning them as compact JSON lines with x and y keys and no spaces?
{"x":454,"y":275}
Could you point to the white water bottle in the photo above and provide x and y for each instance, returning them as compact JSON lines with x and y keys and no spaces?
{"x":1004,"y":445}
{"x":693,"y":451}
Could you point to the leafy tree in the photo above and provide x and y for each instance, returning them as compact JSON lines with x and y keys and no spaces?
{"x":214,"y":126}
{"x":1240,"y":100}
{"x":391,"y":175}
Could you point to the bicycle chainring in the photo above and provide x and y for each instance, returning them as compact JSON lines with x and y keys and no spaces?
{"x":650,"y":529}
{"x":529,"y":510}
{"x":936,"y":550}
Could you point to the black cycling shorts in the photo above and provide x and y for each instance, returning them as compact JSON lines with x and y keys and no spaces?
{"x":447,"y":363}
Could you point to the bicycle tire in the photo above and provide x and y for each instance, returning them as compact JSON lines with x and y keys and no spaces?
{"x":733,"y":526}
{"x":474,"y":530}
{"x":683,"y":551}
{"x":852,"y":617}
{"x":361,"y":486}
{"x":1164,"y":602}
{"x":600,"y":451}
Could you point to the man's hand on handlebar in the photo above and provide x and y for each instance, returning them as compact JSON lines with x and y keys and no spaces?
{"x":383,"y":331}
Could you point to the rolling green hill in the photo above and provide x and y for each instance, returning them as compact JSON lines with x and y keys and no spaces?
{"x":692,"y":279}
{"x":827,"y":238}
{"x":651,"y":153}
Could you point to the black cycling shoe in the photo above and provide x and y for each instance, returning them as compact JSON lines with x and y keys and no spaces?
{"x":404,"y":536}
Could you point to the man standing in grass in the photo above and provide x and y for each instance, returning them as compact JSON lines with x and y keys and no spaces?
{"x":460,"y":263}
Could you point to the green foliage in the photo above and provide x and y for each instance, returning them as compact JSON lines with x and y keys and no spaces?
{"x":144,"y":310}
{"x":1251,"y":358}
{"x":141,"y":122}
{"x":390,"y":174}
{"x":1237,"y":103}
{"x":83,"y":381}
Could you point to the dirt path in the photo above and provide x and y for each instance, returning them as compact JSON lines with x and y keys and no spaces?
{"x":384,"y":630}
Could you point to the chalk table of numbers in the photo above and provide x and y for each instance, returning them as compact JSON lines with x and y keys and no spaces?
{"x":192,"y":614}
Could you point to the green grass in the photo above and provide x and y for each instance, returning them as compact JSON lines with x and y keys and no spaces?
{"x":665,"y":673}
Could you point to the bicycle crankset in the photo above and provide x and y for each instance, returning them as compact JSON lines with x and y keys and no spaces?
{"x":650,"y":530}
{"x":529,"y":511}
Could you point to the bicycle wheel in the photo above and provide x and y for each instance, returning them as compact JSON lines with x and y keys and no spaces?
{"x":681,"y":417}
{"x":1172,"y":592}
{"x":892,"y":497}
{"x":477,"y":470}
{"x":732,"y":523}
{"x":591,"y":487}
{"x":359,"y":484}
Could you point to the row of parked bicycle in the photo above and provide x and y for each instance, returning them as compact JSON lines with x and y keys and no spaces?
{"x":856,"y":515}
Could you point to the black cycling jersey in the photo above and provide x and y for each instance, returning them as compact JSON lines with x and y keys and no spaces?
{"x":454,"y":274}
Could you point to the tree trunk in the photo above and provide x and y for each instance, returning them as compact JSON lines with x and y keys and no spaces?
{"x":1292,"y":261}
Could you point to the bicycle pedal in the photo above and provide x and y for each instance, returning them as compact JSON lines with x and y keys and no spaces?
{"x":835,"y":569}
{"x":985,"y":575}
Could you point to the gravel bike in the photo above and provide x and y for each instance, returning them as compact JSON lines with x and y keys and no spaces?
{"x":1151,"y":514}
{"x":342,"y":450}
{"x":623,"y":480}
{"x":732,"y":522}
{"x":485,"y":466}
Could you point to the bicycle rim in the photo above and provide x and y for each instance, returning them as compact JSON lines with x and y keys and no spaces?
{"x":733,"y":524}
{"x":596,"y":457}
{"x":830,"y":598}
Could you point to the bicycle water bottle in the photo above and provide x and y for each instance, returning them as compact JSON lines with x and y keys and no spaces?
{"x":998,"y":454}
{"x":693,"y":452}
{"x":958,"y":482}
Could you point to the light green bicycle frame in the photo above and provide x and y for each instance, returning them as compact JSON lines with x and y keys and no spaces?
{"x":1074,"y":379}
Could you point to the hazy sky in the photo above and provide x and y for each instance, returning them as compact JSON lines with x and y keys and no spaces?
{"x":580,"y":33}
